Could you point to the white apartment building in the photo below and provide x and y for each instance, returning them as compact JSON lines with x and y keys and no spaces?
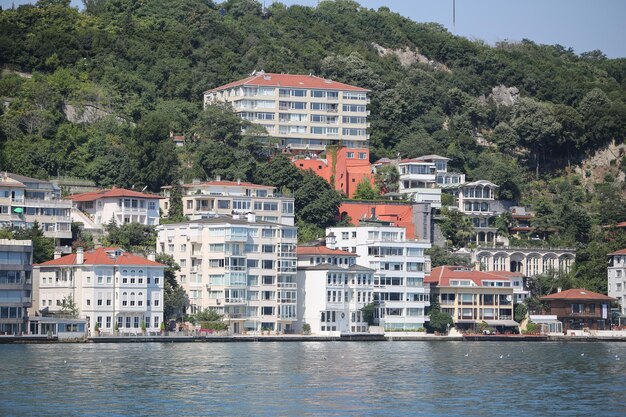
{"x":25,"y":200}
{"x":332,"y":290}
{"x":109,"y":286}
{"x":478,"y":201}
{"x":399,"y":265}
{"x":213,"y":198}
{"x":97,"y":208}
{"x":616,"y":272}
{"x":305,"y":112}
{"x":242,"y":268}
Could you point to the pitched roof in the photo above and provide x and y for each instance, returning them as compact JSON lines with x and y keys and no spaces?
{"x":619,"y":252}
{"x":289,"y":80}
{"x":433,"y":156}
{"x":112,"y":193}
{"x":102,"y":256}
{"x":332,"y":267}
{"x":23,"y":179}
{"x":322,"y":250}
{"x":577,"y":294}
{"x":226,"y":184}
{"x":443,"y":274}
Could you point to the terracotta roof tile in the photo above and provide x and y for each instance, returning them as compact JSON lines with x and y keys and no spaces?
{"x":577,"y":294}
{"x":112,"y":193}
{"x":443,"y":274}
{"x":100,"y":256}
{"x":619,"y":252}
{"x":322,"y":250}
{"x":289,"y":80}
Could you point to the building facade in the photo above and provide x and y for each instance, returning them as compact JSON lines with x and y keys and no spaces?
{"x":580,"y":309}
{"x":24,"y":201}
{"x":219,"y":198}
{"x":332,"y":290}
{"x":400,"y":295}
{"x":16,"y":263}
{"x":527,"y":261}
{"x":111,"y":288}
{"x":616,"y":273}
{"x":240,"y":267}
{"x":96,"y":209}
{"x":478,"y":201}
{"x":306,"y":113}
{"x":472,"y":297}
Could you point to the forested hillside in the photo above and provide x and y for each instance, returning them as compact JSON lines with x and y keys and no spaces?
{"x":146,"y":64}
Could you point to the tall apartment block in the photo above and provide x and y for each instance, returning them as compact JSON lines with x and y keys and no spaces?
{"x":25,"y":200}
{"x":213,"y":198}
{"x":399,"y":292}
{"x":616,"y":273}
{"x":307,"y":113}
{"x":239,"y":266}
{"x":16,"y":264}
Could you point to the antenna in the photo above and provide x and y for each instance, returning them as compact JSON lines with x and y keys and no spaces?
{"x":454,"y":17}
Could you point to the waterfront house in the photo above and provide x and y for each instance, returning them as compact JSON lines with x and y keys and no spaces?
{"x":332,"y":290}
{"x":616,"y":272}
{"x":400,"y":296}
{"x":108,"y":286}
{"x":579,"y":309}
{"x":529,"y":261}
{"x":472,"y":297}
{"x":16,"y":263}
{"x":241,"y":267}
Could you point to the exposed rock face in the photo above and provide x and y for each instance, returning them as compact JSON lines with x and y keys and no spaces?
{"x":407,"y":57}
{"x":504,"y":96}
{"x":86,"y":113}
{"x":602,"y":162}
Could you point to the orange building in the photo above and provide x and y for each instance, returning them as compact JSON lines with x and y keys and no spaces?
{"x":415,"y":217}
{"x":343,"y":167}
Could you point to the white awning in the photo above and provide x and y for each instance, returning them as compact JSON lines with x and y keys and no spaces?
{"x":508,"y":323}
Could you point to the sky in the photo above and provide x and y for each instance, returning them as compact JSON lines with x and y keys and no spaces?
{"x":583,"y":25}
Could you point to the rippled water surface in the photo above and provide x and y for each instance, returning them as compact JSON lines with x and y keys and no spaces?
{"x":313,"y":379}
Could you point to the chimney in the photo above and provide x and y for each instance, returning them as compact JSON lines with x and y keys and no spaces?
{"x":558,"y":289}
{"x":57,"y":253}
{"x":331,"y":241}
{"x":80,"y":259}
{"x":151,"y":256}
{"x":218,"y":178}
{"x":251,"y":217}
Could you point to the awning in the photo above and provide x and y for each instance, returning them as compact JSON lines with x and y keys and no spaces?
{"x":508,"y":323}
{"x":545,"y":321}
{"x":18,"y":210}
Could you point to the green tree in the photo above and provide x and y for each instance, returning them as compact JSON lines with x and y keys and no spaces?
{"x":440,"y":256}
{"x":439,"y":321}
{"x":387,"y":179}
{"x":368,"y":313}
{"x":176,"y":204}
{"x":520,"y":312}
{"x":43,"y":247}
{"x":365,"y":191}
{"x":130,"y":236}
{"x":69,"y":307}
{"x":175,"y":299}
{"x":456,"y":227}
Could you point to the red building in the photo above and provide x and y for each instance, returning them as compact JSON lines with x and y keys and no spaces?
{"x":415,"y":217}
{"x":579,"y":308}
{"x":344,"y":168}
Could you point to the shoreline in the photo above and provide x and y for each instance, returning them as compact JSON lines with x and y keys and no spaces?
{"x":364,"y":337}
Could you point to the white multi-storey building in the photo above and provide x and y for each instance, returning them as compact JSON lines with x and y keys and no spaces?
{"x":24,"y":201}
{"x":240,"y":267}
{"x":332,"y":290}
{"x":399,"y":264}
{"x":617,"y":278}
{"x":97,"y":208}
{"x":305,"y":112}
{"x":109,"y":287}
{"x":478,"y":201}
{"x":212,"y":198}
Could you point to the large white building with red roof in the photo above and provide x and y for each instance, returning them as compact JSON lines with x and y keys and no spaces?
{"x":213,"y":198}
{"x":471,"y":296}
{"x":306,"y":112}
{"x":97,"y":208}
{"x":109,"y":287}
{"x":334,"y":290}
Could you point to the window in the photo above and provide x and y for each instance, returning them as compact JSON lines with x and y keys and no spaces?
{"x":578,"y":308}
{"x":156,"y":303}
{"x":99,"y":302}
{"x":88,"y":302}
{"x":136,"y":322}
{"x":156,"y":322}
{"x":108,"y":322}
{"x":128,"y":322}
{"x":99,"y":321}
{"x":156,"y":280}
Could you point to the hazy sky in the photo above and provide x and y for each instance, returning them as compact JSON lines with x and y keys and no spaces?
{"x":583,"y":25}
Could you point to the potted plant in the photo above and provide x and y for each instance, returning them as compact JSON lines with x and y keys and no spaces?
{"x":306,"y":328}
{"x":97,"y":329}
{"x":143,"y":327}
{"x":116,"y":329}
{"x":162,"y":327}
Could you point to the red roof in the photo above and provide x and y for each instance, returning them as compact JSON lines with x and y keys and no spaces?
{"x":114,"y":192}
{"x":289,"y":80}
{"x":619,"y":252}
{"x":443,"y":274}
{"x":322,"y":250}
{"x":577,"y":294}
{"x":102,"y":256}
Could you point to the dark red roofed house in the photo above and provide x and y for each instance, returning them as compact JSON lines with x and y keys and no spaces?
{"x":97,"y":208}
{"x":108,"y":285}
{"x":578,"y":309}
{"x":472,"y":297}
